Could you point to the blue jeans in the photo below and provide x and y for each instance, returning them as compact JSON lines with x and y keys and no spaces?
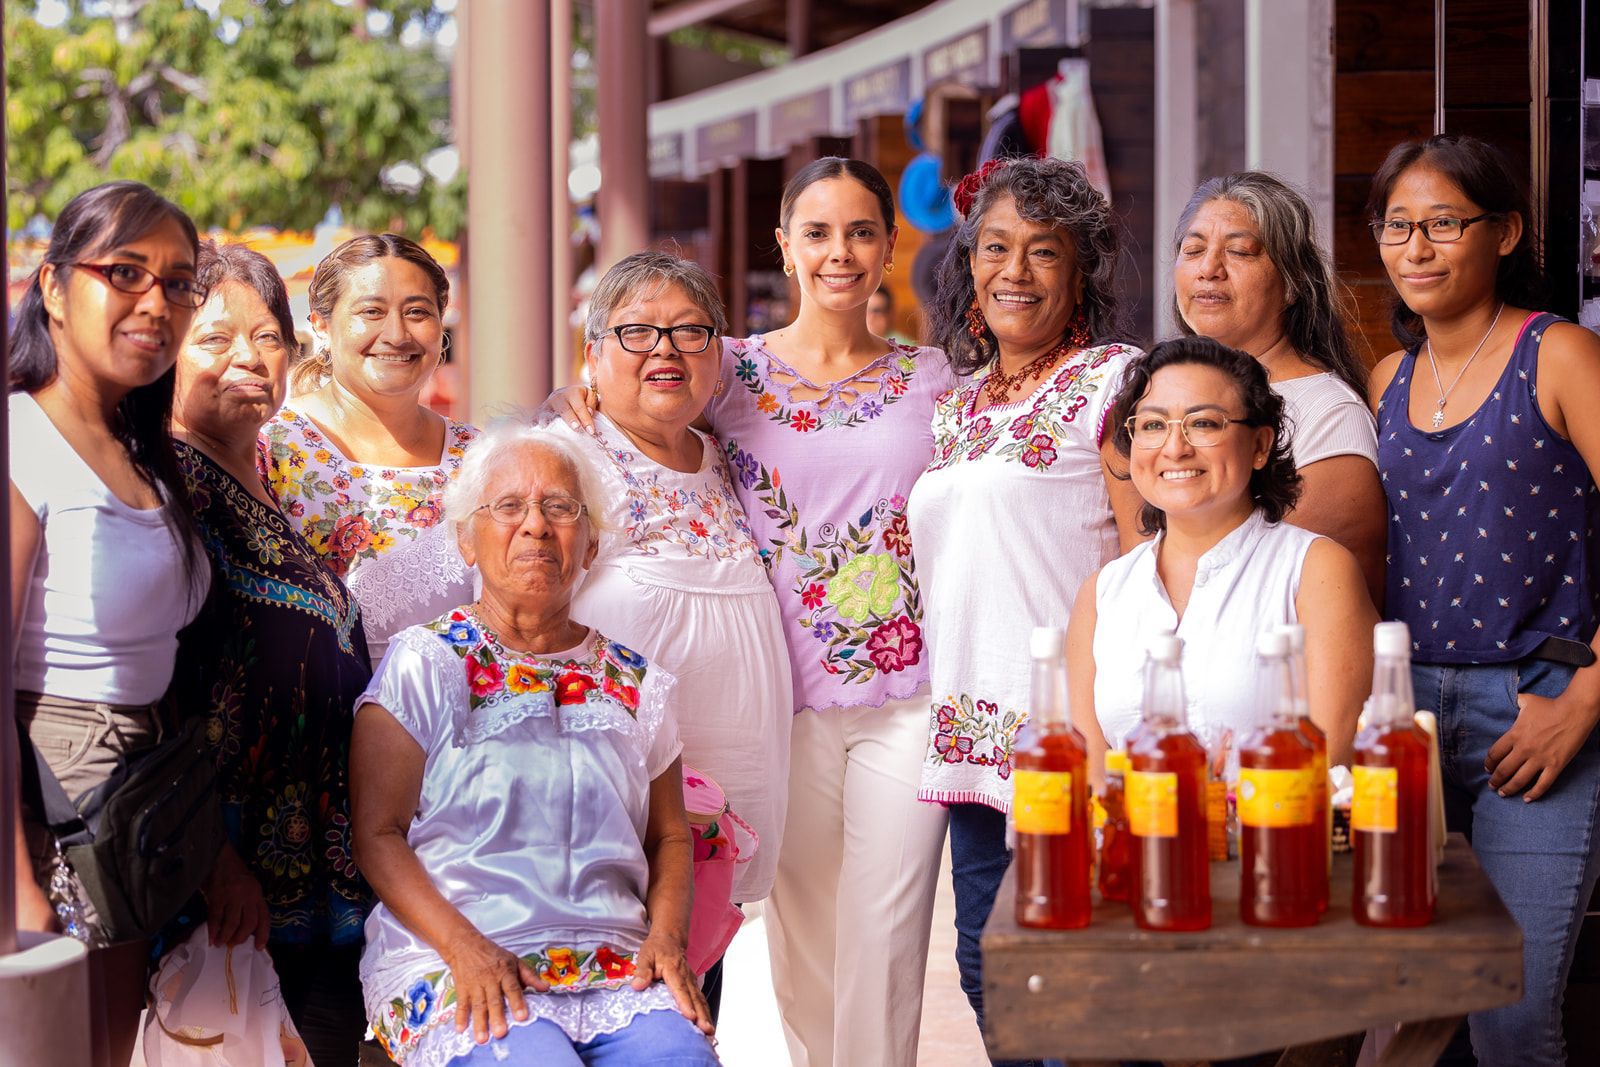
{"x":655,"y":1039}
{"x":978,"y":860}
{"x":1541,"y":857}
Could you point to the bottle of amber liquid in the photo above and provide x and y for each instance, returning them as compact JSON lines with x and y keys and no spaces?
{"x":1319,"y":744}
{"x":1165,"y":793}
{"x":1050,"y":806}
{"x":1115,"y":842}
{"x":1393,"y":875}
{"x":1280,"y":847}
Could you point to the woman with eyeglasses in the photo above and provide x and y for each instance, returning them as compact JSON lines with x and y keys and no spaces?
{"x":106,"y":566}
{"x":827,"y":428}
{"x":677,"y":574}
{"x":518,"y":802}
{"x":1488,"y":438}
{"x":355,"y":458}
{"x":1203,"y":434}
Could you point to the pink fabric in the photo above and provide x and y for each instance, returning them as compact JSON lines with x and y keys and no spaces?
{"x":713,"y":920}
{"x":824,"y":483}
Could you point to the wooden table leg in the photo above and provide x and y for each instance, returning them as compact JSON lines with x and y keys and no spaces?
{"x":1420,"y":1044}
{"x":1335,"y":1052}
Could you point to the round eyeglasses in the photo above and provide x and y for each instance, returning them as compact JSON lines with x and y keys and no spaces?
{"x":640,"y":338}
{"x":1441,"y":230}
{"x":126,"y":278}
{"x":1202,"y":429}
{"x":512,"y":510}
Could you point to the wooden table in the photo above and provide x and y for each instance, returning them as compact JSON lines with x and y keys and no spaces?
{"x":1114,"y":992}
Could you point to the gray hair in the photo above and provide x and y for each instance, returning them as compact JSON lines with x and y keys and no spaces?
{"x":464,"y":494}
{"x":1313,"y":320}
{"x":646,"y":275}
{"x":1056,"y":193}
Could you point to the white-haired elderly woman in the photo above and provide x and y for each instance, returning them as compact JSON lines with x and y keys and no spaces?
{"x":517,"y":803}
{"x":678,"y":575}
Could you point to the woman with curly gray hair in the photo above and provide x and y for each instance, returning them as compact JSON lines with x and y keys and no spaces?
{"x":1247,"y":270}
{"x":1028,"y":309}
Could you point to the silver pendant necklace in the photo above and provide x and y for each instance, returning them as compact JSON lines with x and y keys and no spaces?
{"x":1444,"y":394}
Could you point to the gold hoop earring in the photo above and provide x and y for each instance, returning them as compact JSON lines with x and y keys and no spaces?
{"x":788,"y":270}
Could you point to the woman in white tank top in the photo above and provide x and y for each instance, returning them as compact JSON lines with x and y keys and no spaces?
{"x":1203,"y":434}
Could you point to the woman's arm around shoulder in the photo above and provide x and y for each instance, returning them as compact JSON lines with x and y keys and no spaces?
{"x":1080,"y":677}
{"x":1338,"y":617}
{"x":33,"y":908}
{"x":669,"y":848}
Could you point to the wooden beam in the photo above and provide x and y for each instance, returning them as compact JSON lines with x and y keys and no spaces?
{"x":692,"y":12}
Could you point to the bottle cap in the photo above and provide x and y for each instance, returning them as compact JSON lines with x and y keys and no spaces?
{"x":1166,"y":648}
{"x":1296,"y":634}
{"x":1116,"y":762}
{"x":1272,"y":644}
{"x":1391,"y":639}
{"x":1047,"y":642}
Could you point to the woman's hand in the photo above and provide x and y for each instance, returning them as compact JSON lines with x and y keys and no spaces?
{"x":487,"y":977}
{"x":665,"y":958}
{"x":576,"y":405}
{"x":1533,"y":753}
{"x":235,"y":905}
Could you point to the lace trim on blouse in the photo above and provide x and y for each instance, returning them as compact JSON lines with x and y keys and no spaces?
{"x":391,"y":586}
{"x":581,"y":1016}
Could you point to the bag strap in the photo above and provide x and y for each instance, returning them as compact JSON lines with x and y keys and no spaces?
{"x":41,"y":785}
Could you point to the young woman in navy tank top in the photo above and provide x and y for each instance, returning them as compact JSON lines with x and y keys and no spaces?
{"x":1488,"y":436}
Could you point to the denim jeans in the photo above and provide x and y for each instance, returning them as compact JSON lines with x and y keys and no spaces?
{"x":978,"y":860}
{"x":654,"y":1039}
{"x":1541,"y":856}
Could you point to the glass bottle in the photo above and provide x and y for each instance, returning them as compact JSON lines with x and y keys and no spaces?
{"x":1115,"y":857}
{"x":1393,"y":874}
{"x":1280,"y":848}
{"x":1319,"y":744}
{"x":1050,"y":806}
{"x":1165,"y":794}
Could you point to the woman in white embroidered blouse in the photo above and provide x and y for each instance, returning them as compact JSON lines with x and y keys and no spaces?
{"x":1016,"y":507}
{"x":1247,"y":270}
{"x":1202,"y":431}
{"x":354,"y":458}
{"x":517,"y":804}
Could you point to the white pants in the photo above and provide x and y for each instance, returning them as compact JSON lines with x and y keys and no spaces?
{"x":851,"y":911}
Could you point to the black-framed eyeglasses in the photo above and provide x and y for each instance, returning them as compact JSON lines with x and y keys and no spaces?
{"x":512,"y":510}
{"x":640,"y":337}
{"x":127,"y":278}
{"x":1202,"y":429}
{"x":1440,"y":230}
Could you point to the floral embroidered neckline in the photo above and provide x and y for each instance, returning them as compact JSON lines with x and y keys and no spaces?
{"x":496,"y":675}
{"x":891,"y":372}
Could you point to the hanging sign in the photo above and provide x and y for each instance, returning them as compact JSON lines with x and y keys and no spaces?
{"x":1035,"y":23}
{"x":884,"y":91}
{"x":962,"y":59}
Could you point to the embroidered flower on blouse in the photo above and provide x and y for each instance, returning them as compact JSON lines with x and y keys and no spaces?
{"x":612,"y":965}
{"x":897,"y":536}
{"x":419,"y":1002}
{"x":626,"y":655}
{"x":350,"y":535}
{"x":562,"y":968}
{"x":1041,"y":451}
{"x":895,"y":645}
{"x":866,"y":586}
{"x":813,"y":595}
{"x":483,"y":678}
{"x":803,"y":421}
{"x":767,"y":403}
{"x":954,"y":748}
{"x":522,"y":678}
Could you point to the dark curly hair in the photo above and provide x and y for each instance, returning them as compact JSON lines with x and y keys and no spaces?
{"x":1275,"y":487}
{"x":1489,"y":180}
{"x":1051,"y":191}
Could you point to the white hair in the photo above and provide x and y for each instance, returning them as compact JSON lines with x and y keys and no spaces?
{"x":464,"y":494}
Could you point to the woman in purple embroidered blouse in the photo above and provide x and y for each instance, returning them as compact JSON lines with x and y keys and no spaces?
{"x":1488,"y":439}
{"x":827,"y":427}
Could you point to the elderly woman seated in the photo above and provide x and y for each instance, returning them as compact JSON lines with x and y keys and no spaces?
{"x":517,"y":804}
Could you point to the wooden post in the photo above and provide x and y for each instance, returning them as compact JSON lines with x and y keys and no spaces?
{"x":622,"y":59}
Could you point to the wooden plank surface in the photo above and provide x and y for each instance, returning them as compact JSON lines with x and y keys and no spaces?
{"x":1113,"y":991}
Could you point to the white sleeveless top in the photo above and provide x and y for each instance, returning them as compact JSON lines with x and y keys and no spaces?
{"x":106,"y":597}
{"x":1245,"y":584}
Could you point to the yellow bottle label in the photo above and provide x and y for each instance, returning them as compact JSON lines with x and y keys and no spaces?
{"x":1152,"y":800}
{"x":1375,"y":806}
{"x":1042,"y":803}
{"x":1276,"y":798}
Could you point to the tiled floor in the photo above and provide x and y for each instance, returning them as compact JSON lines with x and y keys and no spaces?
{"x":751,"y":1036}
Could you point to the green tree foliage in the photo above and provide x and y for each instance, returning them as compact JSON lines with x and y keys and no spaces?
{"x":245,"y":112}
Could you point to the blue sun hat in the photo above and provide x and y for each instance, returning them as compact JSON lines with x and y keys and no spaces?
{"x":924,"y":197}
